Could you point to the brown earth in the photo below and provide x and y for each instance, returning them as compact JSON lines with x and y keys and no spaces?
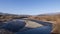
{"x":55,"y":19}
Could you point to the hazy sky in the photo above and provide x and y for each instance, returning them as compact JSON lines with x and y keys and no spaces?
{"x":31,"y":7}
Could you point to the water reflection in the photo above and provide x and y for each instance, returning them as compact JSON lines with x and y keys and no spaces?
{"x":14,"y":26}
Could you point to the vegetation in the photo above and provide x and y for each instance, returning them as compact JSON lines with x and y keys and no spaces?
{"x":55,"y":19}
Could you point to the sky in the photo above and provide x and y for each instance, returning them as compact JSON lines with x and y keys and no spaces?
{"x":29,"y":7}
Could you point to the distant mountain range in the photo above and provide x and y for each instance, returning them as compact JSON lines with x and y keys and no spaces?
{"x":47,"y":14}
{"x":7,"y":14}
{"x":50,"y":14}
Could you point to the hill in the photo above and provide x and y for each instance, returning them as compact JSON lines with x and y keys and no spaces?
{"x":54,"y":18}
{"x":7,"y":17}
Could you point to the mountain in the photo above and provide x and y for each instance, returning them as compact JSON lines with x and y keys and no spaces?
{"x":50,"y":14}
{"x":6,"y":14}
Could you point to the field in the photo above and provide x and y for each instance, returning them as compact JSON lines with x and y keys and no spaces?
{"x":55,"y":19}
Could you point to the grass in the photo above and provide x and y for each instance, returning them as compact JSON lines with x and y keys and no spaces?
{"x":55,"y":19}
